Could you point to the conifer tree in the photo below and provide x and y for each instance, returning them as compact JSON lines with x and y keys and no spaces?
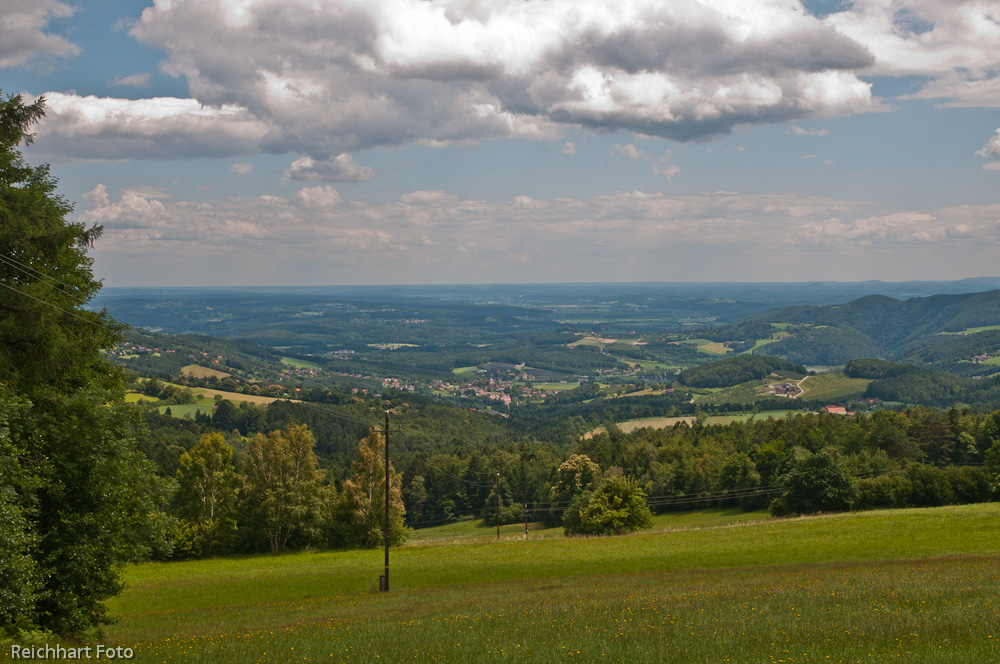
{"x":82,"y":500}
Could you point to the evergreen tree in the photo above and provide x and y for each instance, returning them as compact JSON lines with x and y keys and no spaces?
{"x":81,"y":500}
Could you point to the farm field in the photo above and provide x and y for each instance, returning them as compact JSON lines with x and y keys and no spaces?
{"x":833,"y":387}
{"x":911,"y":585}
{"x":206,"y":399}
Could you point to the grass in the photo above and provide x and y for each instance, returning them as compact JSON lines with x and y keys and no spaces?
{"x":910,"y":585}
{"x":973,"y":330}
{"x":199,"y":371}
{"x":833,"y":387}
{"x":629,"y":426}
{"x":714,"y":348}
{"x":464,"y":370}
{"x":188,"y":409}
{"x":136,"y":397}
{"x":299,"y":364}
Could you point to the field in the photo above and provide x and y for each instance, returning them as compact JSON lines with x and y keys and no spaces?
{"x":909,"y":586}
{"x":136,"y":397}
{"x":199,"y":371}
{"x":299,"y":364}
{"x":629,"y":426}
{"x":833,"y":387}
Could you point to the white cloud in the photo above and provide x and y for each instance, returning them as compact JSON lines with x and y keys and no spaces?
{"x":991,"y":166}
{"x":669,"y":170}
{"x":434,"y":236}
{"x":569,"y":148}
{"x":91,"y":127}
{"x":135,"y":80}
{"x":955,"y":43}
{"x":345,"y":75}
{"x":799,"y":131}
{"x":339,"y":169}
{"x":23,"y":39}
{"x":629,"y":151}
{"x":319,"y":197}
{"x":992,"y":147}
{"x":241,"y":168}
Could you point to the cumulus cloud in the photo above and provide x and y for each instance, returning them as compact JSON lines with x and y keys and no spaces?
{"x":241,"y":168}
{"x":76,"y":127}
{"x":668,"y":170}
{"x":569,"y":148}
{"x":23,"y":36}
{"x":956,"y":44}
{"x":327,"y":79}
{"x":341,"y":76}
{"x":992,"y":147}
{"x":316,"y":236}
{"x":629,"y":151}
{"x":339,"y":169}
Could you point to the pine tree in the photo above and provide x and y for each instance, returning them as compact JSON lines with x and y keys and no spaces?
{"x":82,"y":499}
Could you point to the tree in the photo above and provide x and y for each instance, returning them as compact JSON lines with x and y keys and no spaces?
{"x":83,"y":499}
{"x":360,"y":516}
{"x":284,"y":499}
{"x":574,"y":476}
{"x":617,"y":506}
{"x":206,"y":498}
{"x":817,"y":483}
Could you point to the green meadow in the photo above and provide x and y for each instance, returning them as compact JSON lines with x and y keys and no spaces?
{"x":299,"y":363}
{"x":916,"y":585}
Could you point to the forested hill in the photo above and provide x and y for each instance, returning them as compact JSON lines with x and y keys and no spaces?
{"x":876,"y":325}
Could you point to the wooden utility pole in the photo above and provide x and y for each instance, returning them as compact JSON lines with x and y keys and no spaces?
{"x":385,"y":579}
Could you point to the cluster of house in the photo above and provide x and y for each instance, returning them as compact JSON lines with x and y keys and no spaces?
{"x":397,"y":384}
{"x":979,"y":359}
{"x":790,"y":390}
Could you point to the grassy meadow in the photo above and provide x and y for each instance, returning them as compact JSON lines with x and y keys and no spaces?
{"x":901,"y":586}
{"x":834,"y":387}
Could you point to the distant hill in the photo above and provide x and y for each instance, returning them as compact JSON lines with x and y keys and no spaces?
{"x":882,"y":327}
{"x":736,"y":370}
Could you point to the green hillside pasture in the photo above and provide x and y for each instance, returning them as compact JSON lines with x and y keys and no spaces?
{"x":467,"y":532}
{"x":300,"y":364}
{"x":459,"y":371}
{"x":973,"y":330}
{"x":833,"y":387}
{"x":744,"y":393}
{"x":911,"y":586}
{"x":199,"y":371}
{"x":136,"y":397}
{"x":714,"y":348}
{"x":188,"y":409}
{"x":629,"y":426}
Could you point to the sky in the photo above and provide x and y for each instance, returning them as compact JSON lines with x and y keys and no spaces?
{"x":329,"y":142}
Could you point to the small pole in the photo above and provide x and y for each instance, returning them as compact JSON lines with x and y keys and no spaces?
{"x":498,"y":507}
{"x":386,"y":588}
{"x":526,"y":521}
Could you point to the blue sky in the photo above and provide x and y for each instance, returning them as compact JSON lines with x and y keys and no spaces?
{"x":284,"y":142}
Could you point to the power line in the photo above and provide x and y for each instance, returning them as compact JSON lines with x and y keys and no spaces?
{"x":55,"y":306}
{"x":61,"y":286}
